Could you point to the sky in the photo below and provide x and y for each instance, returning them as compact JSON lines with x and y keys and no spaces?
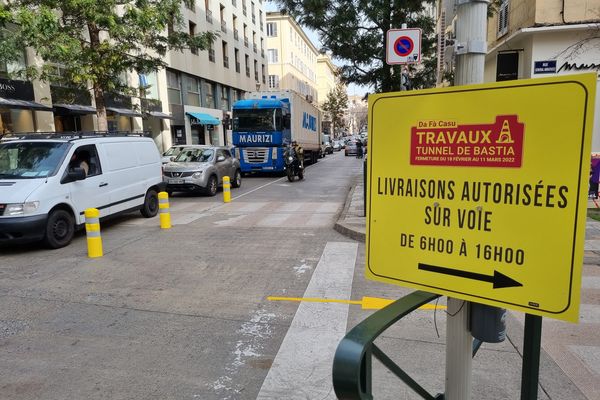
{"x":352,"y":89}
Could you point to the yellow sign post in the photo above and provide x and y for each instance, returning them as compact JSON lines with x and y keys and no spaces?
{"x":479,"y":192}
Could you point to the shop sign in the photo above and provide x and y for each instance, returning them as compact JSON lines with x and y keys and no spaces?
{"x":18,"y":90}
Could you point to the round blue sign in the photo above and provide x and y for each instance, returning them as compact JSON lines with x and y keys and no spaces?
{"x":403,"y":46}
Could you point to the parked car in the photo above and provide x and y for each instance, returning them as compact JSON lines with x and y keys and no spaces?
{"x":171,"y":153}
{"x":48,"y":181}
{"x":201,"y":168}
{"x":328,"y":147}
{"x":337,"y":145}
{"x":350,"y":149}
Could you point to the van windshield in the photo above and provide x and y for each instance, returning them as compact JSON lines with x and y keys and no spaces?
{"x":30,"y":160}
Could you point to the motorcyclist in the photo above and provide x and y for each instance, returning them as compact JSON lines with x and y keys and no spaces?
{"x":299,"y":152}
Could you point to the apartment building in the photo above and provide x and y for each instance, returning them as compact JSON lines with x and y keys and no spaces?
{"x":185,"y":103}
{"x":542,"y":38}
{"x":326,"y":77}
{"x":292,"y":57}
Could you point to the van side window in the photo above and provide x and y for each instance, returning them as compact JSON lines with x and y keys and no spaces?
{"x":87,"y":156}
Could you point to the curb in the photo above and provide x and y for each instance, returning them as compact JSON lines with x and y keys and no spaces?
{"x":346,"y":229}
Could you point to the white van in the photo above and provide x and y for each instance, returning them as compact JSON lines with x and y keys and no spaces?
{"x":48,"y":181}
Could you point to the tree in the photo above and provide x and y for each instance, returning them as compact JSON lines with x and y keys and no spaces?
{"x":355,"y":32}
{"x":336,"y":104}
{"x":95,"y":41}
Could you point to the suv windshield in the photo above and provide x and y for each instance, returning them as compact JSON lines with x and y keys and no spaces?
{"x":173,"y":151}
{"x":30,"y":160}
{"x":194,"y":155}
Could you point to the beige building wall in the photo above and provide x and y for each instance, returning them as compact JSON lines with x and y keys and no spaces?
{"x":295,"y":65}
{"x":326,"y":77}
{"x":566,"y":11}
{"x":225,"y":19}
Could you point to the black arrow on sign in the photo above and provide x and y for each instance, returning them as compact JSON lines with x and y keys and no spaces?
{"x":499,"y":280}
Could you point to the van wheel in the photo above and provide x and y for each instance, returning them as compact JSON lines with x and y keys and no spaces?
{"x":150,"y":207}
{"x":60,"y":228}
{"x":212,"y":187}
{"x":237,"y":179}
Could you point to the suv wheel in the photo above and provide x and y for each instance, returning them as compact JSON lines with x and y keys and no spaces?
{"x":237,"y":179}
{"x":212,"y":186}
{"x":60,"y":228}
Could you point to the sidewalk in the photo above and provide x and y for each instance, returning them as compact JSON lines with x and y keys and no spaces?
{"x":575,"y":349}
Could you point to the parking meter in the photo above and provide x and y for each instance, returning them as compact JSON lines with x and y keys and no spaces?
{"x":488,"y":323}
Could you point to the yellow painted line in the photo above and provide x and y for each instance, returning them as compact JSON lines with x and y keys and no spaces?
{"x":367,"y":303}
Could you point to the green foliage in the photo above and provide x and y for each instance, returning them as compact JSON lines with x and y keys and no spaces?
{"x":336,"y":105}
{"x":95,"y":41}
{"x":355,"y":32}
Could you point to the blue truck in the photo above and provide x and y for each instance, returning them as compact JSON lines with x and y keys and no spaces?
{"x":265,"y":123}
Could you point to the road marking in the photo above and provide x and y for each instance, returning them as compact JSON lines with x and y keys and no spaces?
{"x":367,"y":303}
{"x":302,"y":368}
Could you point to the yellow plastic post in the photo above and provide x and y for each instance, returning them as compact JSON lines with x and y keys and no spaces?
{"x":163,"y":210}
{"x":92,"y":230}
{"x":226,"y":190}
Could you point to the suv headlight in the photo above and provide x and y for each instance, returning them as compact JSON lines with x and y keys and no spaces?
{"x":21,"y":208}
{"x":197,"y":175}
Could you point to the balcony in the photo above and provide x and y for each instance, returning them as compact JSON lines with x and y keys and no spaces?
{"x":223,"y":27}
{"x":248,"y":72}
{"x":237,"y":67}
{"x":226,"y":61}
{"x":236,"y":34}
{"x":246,"y":41}
{"x":209,"y":16}
{"x":211,"y":55}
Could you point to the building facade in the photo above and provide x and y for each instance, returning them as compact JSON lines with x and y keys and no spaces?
{"x":183,"y":104}
{"x":542,"y":38}
{"x":292,"y":57}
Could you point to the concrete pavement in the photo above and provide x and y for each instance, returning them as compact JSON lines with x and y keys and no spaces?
{"x":570,"y":359}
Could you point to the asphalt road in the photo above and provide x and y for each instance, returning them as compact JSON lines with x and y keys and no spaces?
{"x":183,"y":313}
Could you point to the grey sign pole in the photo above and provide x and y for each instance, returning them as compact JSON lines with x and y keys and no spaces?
{"x":471,"y":48}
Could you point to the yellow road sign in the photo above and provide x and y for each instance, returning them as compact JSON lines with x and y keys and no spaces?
{"x":479,"y":192}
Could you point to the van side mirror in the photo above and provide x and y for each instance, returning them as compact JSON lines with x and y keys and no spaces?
{"x":76,"y":174}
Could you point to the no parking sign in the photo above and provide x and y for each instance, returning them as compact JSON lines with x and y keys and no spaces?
{"x":403,"y":46}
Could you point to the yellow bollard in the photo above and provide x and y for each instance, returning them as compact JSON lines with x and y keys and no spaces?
{"x":163,"y":210}
{"x":226,"y":190}
{"x":92,"y":230}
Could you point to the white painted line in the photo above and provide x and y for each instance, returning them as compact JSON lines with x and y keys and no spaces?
{"x":302,"y":368}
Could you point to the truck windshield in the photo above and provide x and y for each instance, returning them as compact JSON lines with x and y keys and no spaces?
{"x":267,"y":119}
{"x":30,"y":160}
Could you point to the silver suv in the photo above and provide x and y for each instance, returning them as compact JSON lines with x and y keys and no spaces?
{"x":199,"y":168}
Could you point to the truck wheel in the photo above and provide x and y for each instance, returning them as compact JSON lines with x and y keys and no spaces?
{"x":150,"y":207}
{"x":237,"y":179}
{"x":212,"y":186}
{"x":60,"y":228}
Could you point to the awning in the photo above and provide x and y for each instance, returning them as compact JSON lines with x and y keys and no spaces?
{"x":76,"y":108}
{"x":23,"y":104}
{"x":159,"y":114}
{"x":204,"y":119}
{"x":124,"y":111}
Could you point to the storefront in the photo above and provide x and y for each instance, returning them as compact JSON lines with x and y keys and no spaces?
{"x":120,"y":113}
{"x":73,"y":109}
{"x":204,"y":126}
{"x":17,"y":107}
{"x":154,"y":121}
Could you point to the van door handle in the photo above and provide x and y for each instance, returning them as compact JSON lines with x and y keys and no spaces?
{"x":103,"y":184}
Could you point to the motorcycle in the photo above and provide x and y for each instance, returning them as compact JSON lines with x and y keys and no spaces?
{"x":293,"y":166}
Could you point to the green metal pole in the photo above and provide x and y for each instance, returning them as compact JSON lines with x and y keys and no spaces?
{"x":531,"y":357}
